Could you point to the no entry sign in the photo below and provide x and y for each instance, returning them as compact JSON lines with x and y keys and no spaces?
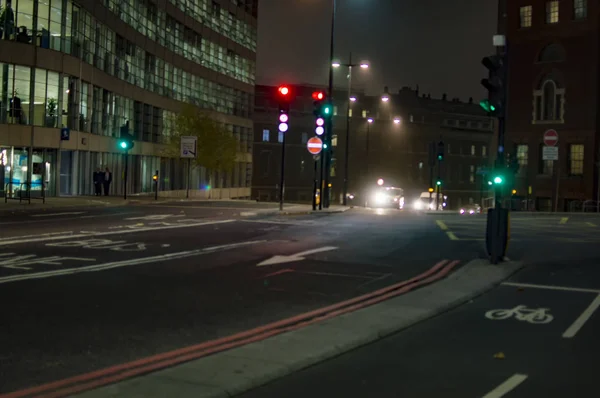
{"x":314,"y":145}
{"x":550,"y":138}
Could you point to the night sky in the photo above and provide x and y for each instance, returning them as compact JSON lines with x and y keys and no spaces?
{"x":437,"y":44}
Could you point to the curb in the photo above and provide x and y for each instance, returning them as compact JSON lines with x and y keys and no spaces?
{"x":249,"y":366}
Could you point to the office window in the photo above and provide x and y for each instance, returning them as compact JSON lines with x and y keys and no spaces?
{"x":334,"y":140}
{"x":483,"y":151}
{"x":265,"y":136}
{"x":549,"y":102}
{"x":304,"y":138}
{"x":576,"y":159}
{"x":364,"y":113}
{"x":280,"y":136}
{"x":335,"y":110}
{"x":552,"y":11}
{"x":525,"y":16}
{"x":472,"y":150}
{"x":472,"y":174}
{"x":350,"y":112}
{"x":523,"y":157}
{"x":579,"y":9}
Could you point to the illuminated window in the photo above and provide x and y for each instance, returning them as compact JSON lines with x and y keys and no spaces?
{"x":364,"y":113}
{"x":484,"y":151}
{"x":472,"y":150}
{"x":334,"y":140}
{"x":552,"y":11}
{"x":472,"y":174}
{"x":525,"y":16}
{"x":576,"y":159}
{"x":580,"y":9}
{"x":523,"y":157}
{"x":280,"y":136}
{"x":265,"y":137}
{"x":546,"y":167}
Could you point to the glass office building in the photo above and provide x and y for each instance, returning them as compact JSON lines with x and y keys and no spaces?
{"x":96,"y":66}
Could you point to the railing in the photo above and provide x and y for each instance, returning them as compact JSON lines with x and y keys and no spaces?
{"x":590,"y":206}
{"x":23,"y":194}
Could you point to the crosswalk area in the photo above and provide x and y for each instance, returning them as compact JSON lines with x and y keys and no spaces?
{"x":524,"y":227}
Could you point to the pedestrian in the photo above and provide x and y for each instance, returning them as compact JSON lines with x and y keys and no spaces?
{"x":98,"y":175}
{"x":107,"y":180}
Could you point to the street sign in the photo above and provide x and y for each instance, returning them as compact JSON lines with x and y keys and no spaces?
{"x":188,"y":147}
{"x":550,"y":137}
{"x":314,"y":145}
{"x":65,"y":134}
{"x":550,"y":153}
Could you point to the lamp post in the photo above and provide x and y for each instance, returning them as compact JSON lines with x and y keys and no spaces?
{"x":369,"y":122}
{"x":351,"y":99}
{"x":326,"y":156}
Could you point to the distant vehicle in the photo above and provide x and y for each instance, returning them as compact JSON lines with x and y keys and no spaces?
{"x":387,"y":197}
{"x":470,"y":209}
{"x":424,"y":203}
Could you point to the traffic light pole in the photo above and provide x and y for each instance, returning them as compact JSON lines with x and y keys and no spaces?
{"x":315,"y":184}
{"x":347,"y":145}
{"x":282,"y":180}
{"x":125,"y":176}
{"x":329,"y":130}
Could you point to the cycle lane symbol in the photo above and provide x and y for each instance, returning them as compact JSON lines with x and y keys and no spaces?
{"x":522,"y":313}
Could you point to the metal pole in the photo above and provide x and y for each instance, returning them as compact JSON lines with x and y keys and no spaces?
{"x":321,"y":178}
{"x":345,"y":200}
{"x":156,"y":187}
{"x":557,"y":185}
{"x":315,"y":182}
{"x":329,"y":129}
{"x":282,"y":179}
{"x":189,"y":169}
{"x":125,"y":176}
{"x":366,"y":189}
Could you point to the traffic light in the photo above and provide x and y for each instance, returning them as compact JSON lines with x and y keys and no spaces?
{"x":495,"y":84}
{"x":155,"y":178}
{"x":319,"y":110}
{"x":514,"y":191}
{"x":438,"y":183}
{"x":284,"y":95}
{"x":126,"y":142}
{"x":430,"y":190}
{"x":440,"y":151}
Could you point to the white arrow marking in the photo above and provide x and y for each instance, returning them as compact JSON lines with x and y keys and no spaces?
{"x":294,"y":257}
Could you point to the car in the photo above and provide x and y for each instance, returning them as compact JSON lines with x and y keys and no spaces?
{"x":470,"y":210}
{"x":388,"y":197}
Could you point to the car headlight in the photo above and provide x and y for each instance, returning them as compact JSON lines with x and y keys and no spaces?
{"x":432,"y":206}
{"x":462,"y":211}
{"x":381,"y":197}
{"x":471,"y":211}
{"x":418,"y":205}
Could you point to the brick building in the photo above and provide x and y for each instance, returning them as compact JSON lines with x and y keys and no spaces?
{"x":403,"y":124}
{"x":553,"y":84}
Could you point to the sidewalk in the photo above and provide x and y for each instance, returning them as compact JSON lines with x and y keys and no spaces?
{"x":258,"y":358}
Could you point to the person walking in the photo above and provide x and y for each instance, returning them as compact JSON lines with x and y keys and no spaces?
{"x":98,"y":175}
{"x":107,"y":180}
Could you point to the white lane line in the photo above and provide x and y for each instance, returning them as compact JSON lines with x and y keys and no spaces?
{"x":120,"y":232}
{"x":579,"y":322}
{"x":510,"y":384}
{"x":550,"y":287}
{"x":70,"y":213}
{"x":125,"y":263}
{"x":37,"y":236}
{"x":277,"y":222}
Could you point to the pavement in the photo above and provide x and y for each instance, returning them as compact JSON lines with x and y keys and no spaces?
{"x":144,"y":286}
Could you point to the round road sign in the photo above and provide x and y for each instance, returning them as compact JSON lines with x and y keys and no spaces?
{"x":314,"y":145}
{"x":550,"y":137}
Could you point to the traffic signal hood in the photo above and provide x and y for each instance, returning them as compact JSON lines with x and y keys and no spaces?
{"x":494,"y":84}
{"x":440,"y":151}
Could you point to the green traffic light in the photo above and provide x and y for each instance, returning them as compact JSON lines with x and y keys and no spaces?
{"x":326,"y":110}
{"x":498,"y":180}
{"x":440,"y":157}
{"x":438,"y":182}
{"x":487,"y":106}
{"x":123,"y":144}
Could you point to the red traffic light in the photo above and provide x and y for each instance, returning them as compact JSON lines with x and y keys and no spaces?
{"x":284,"y":90}
{"x":318,"y":95}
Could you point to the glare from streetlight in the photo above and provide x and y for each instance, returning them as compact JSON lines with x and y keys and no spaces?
{"x":397,"y":120}
{"x":380,"y":182}
{"x":364,"y":65}
{"x":385,"y":98}
{"x":370,"y":120}
{"x":352,"y":99}
{"x":336,"y":64}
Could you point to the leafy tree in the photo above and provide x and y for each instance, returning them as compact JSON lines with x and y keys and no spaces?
{"x":217,"y":147}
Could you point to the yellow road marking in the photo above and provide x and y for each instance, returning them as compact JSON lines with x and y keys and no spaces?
{"x":563,"y":220}
{"x":442,"y":225}
{"x":452,"y":236}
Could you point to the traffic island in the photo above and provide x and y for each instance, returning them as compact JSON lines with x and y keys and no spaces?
{"x":268,"y":354}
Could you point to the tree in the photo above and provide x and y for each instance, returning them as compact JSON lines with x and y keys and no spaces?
{"x":217,"y":147}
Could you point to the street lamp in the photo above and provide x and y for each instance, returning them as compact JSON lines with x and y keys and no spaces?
{"x":385,"y":98}
{"x":349,"y":65}
{"x":397,"y":120}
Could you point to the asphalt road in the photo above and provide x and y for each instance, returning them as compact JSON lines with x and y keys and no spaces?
{"x":90,"y":287}
{"x":533,"y":336}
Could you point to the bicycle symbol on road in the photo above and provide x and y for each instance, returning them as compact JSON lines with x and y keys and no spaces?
{"x":522,"y":313}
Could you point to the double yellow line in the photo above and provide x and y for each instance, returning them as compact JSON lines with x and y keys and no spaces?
{"x":444,"y":227}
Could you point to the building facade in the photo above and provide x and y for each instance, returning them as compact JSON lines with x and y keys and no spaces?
{"x":393,"y":146}
{"x":96,"y":67}
{"x":553,"y":85}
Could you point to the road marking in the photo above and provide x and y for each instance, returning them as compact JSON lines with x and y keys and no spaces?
{"x":156,"y":217}
{"x":117,"y":246}
{"x":550,"y":287}
{"x":294,"y":257}
{"x":125,"y":263}
{"x":248,"y":213}
{"x":579,"y":322}
{"x":308,"y":223}
{"x":452,"y":236}
{"x":510,"y":384}
{"x":15,"y":241}
{"x":442,"y":225}
{"x":58,"y":214}
{"x":334,"y":274}
{"x":591,"y":224}
{"x":37,"y":236}
{"x":563,"y":220}
{"x":521,"y":313}
{"x":14,"y":261}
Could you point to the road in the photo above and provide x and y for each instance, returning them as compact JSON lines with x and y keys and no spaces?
{"x":86,"y":288}
{"x":533,"y":336}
